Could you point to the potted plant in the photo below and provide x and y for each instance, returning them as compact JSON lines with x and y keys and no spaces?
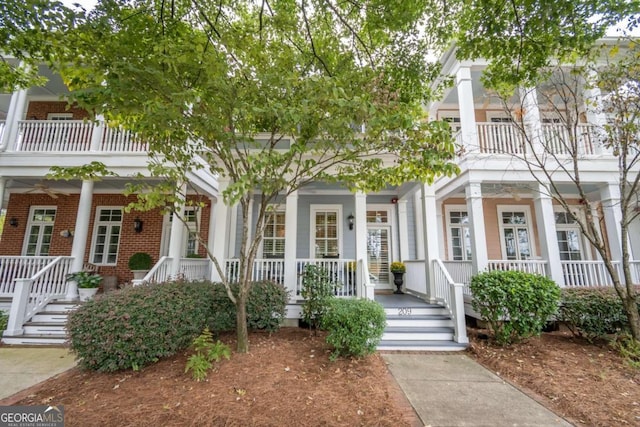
{"x":88,"y":283}
{"x":398,"y":269}
{"x":140,"y":264}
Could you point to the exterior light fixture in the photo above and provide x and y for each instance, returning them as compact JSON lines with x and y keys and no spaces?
{"x":137,"y":225}
{"x":13,"y":222}
{"x":350,"y":219}
{"x":66,"y":233}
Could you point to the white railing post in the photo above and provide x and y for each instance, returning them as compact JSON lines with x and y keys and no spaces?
{"x":18,"y":307}
{"x":457,"y":306}
{"x":290,"y":244}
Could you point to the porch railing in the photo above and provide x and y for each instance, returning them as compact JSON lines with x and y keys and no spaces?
{"x":500,"y":138}
{"x":416,"y":277}
{"x":13,"y":267}
{"x":460,"y":272}
{"x":54,"y":135}
{"x":73,"y":136}
{"x":557,"y":139}
{"x":195,"y":268}
{"x":368,"y":287}
{"x":527,"y":266}
{"x":341,"y":271}
{"x":158,"y":273}
{"x":33,"y":293}
{"x":450,"y":295}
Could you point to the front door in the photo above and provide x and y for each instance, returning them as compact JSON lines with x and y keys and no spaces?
{"x":379,"y":254}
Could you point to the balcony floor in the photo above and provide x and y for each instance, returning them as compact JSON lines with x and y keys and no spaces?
{"x":400,"y":300}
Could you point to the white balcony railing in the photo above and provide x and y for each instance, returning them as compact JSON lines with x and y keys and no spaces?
{"x":557,"y":139}
{"x":72,"y":136}
{"x":526,"y":266}
{"x":502,"y":138}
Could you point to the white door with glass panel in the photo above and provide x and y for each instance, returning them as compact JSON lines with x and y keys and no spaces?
{"x":379,"y":247}
{"x":39,"y":231}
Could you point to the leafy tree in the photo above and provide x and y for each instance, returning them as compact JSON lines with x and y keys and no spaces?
{"x":557,"y":160}
{"x":30,"y":33}
{"x":270,"y":95}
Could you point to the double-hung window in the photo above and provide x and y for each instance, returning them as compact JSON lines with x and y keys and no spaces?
{"x":325,"y":231}
{"x":274,"y":238}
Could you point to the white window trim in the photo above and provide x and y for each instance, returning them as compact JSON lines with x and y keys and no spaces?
{"x":312,"y":229}
{"x":448,"y":225}
{"x":585,"y":249}
{"x":527,"y":214}
{"x":94,"y":236}
{"x":27,"y":233}
{"x":277,"y":208}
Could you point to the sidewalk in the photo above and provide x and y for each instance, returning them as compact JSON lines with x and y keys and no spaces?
{"x":453,"y":390}
{"x":23,"y":367}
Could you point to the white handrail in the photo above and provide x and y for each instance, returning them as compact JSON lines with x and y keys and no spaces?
{"x":368,"y":288}
{"x":13,"y":267}
{"x":158,"y":273}
{"x":195,"y":268}
{"x":450,"y":294}
{"x":35,"y":292}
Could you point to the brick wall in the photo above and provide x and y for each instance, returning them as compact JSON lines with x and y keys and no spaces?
{"x":38,"y":110}
{"x":149,"y":240}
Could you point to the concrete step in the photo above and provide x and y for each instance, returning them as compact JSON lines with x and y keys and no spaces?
{"x":428,"y":320}
{"x":61,"y":306}
{"x":417,"y":334}
{"x":416,"y":310}
{"x":408,"y":345}
{"x":37,"y":340}
{"x":45,"y":328}
{"x":50,"y":316}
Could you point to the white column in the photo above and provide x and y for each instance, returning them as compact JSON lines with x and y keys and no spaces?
{"x":417,"y":201}
{"x":3,"y":186}
{"x":96,"y":136}
{"x":468,"y":128}
{"x":17,"y":109}
{"x":403,"y":229}
{"x":610,"y":197}
{"x":211,"y":235}
{"x":441,"y":234}
{"x":360,"y":227}
{"x":176,"y":238}
{"x":81,"y":233}
{"x":531,"y":118}
{"x":476,"y":219}
{"x":546,"y":224}
{"x":290,"y":244}
{"x":593,"y":109}
{"x":430,"y":227}
{"x":221,"y":217}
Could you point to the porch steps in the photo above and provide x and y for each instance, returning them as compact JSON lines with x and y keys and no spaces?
{"x":47,"y":327}
{"x":414,"y":325}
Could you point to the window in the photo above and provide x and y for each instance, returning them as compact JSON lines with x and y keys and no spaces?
{"x":273,"y":239}
{"x":459,"y":233}
{"x":39,"y":231}
{"x":514,"y":229}
{"x":106,"y":236}
{"x":568,"y":236}
{"x":325,"y":231}
{"x":60,"y":116}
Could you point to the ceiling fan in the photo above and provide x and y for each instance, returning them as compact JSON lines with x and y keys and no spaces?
{"x":43,"y":188}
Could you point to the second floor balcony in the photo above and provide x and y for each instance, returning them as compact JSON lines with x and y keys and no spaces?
{"x":509,"y":139}
{"x":69,"y":136}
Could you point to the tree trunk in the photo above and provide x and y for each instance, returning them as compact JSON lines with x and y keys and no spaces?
{"x":241,"y":322}
{"x":631,"y":307}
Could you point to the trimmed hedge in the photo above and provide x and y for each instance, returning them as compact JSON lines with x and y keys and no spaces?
{"x":516,"y":305}
{"x":266,"y":307}
{"x":354,"y":326}
{"x":138,"y":325}
{"x":592,"y":312}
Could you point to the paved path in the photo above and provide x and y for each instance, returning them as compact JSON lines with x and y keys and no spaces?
{"x":23,"y":367}
{"x":453,"y":390}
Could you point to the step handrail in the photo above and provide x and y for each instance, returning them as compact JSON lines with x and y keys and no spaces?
{"x":35,"y":292}
{"x":451,"y":294}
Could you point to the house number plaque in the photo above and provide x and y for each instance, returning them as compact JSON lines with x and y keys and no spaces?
{"x":404,"y":311}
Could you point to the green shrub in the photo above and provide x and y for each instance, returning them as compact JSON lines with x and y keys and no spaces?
{"x":4,"y":320}
{"x":354,"y":326}
{"x":138,"y":325}
{"x":629,"y":349}
{"x":592,"y":313}
{"x":206,"y":352}
{"x":266,"y":307}
{"x":516,"y":305}
{"x":318,"y":290}
{"x":140,"y":261}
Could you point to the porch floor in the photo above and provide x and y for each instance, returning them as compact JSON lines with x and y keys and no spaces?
{"x":400,"y":300}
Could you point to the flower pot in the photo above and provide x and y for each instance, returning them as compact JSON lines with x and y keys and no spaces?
{"x":398,"y":280}
{"x":139,"y":274}
{"x":87,"y":293}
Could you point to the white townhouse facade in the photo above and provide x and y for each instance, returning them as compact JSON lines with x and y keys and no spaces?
{"x":493,"y":215}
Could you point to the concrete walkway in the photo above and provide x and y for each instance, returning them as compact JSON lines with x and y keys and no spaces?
{"x":453,"y":390}
{"x":23,"y":367}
